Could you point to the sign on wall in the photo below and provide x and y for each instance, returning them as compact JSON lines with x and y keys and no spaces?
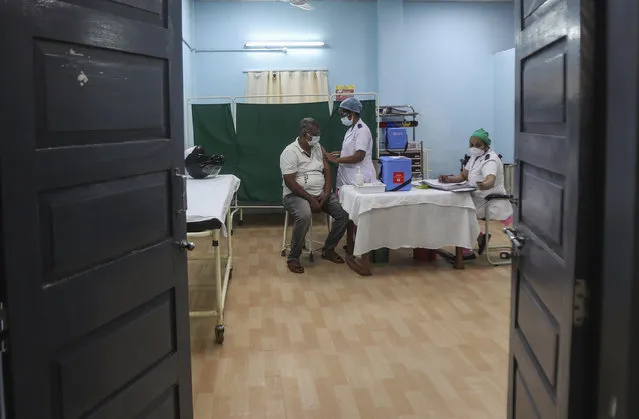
{"x":344,"y":91}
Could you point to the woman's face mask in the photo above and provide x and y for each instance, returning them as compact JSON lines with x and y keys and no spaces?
{"x":476,"y":147}
{"x":346,"y":121}
{"x":475,"y":152}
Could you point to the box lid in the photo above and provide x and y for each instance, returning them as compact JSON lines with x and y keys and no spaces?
{"x":394,"y":158}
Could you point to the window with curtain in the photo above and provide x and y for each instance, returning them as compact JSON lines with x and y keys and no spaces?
{"x":278,"y":84}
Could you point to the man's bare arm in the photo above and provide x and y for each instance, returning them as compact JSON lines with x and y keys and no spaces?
{"x":328,"y":175}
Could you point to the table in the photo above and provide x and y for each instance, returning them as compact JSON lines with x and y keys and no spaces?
{"x":208,"y":214}
{"x":419,"y":218}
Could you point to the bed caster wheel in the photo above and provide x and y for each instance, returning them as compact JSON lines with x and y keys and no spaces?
{"x":505,"y":255}
{"x":219,"y":334}
{"x":311,"y":257}
{"x":241,"y":222}
{"x":283,"y":253}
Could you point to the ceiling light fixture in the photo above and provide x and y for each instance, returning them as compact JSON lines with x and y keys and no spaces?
{"x":285,"y":44}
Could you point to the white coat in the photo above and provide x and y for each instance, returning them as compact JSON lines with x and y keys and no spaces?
{"x":478,"y":169}
{"x":358,"y":137}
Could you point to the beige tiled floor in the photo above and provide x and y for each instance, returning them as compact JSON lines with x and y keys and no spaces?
{"x":416,"y":340}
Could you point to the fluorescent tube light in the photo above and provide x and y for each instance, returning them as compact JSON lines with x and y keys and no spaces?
{"x":284,"y":44}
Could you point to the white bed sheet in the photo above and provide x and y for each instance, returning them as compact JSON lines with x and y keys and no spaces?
{"x":428,"y":219}
{"x":211,"y":198}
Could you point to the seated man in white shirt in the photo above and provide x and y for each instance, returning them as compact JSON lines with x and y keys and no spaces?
{"x":307,"y":190}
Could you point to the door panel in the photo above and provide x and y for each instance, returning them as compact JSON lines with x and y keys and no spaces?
{"x":103,"y":361}
{"x":539,"y":330}
{"x":110,"y":219}
{"x":525,"y":406}
{"x":552,"y":150}
{"x":95,"y":284}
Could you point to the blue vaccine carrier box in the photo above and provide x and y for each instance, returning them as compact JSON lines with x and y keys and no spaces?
{"x":395,"y":171}
{"x":396,"y":138}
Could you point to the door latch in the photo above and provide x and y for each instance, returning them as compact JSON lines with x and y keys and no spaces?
{"x":186,"y":245}
{"x":178,"y":173}
{"x":515,"y":238}
{"x":580,"y":301}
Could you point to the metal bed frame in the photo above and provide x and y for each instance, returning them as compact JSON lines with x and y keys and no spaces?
{"x":221,"y":280}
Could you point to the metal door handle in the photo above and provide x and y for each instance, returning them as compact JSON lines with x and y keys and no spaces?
{"x":517,"y":240}
{"x":186,"y":245}
{"x":179,"y":174}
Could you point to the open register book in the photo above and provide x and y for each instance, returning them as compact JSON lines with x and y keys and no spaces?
{"x":452,"y":187}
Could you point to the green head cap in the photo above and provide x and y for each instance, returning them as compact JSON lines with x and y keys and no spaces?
{"x":482,"y":135}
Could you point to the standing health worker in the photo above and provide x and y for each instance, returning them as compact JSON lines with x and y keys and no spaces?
{"x":356,"y":156}
{"x":357,"y":147}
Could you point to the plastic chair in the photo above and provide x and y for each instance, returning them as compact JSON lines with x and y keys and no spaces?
{"x":309,"y":244}
{"x":505,"y":251}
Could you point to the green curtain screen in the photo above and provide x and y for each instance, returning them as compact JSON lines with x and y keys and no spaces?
{"x":263,"y":132}
{"x":213,"y":129}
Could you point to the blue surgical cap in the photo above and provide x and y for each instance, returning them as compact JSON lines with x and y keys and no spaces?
{"x":352,"y":105}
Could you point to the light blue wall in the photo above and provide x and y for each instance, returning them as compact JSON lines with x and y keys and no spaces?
{"x":448,"y":72}
{"x":187,"y":58}
{"x":438,"y":57}
{"x":351,"y":56}
{"x":391,"y":38}
{"x":503,"y":134}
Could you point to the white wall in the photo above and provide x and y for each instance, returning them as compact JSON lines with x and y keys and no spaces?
{"x":438,"y":57}
{"x":503,"y":134}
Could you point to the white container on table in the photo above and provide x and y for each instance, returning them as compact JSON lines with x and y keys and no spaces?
{"x":369,"y":188}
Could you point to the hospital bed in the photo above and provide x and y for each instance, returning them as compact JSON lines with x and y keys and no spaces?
{"x":210,"y":214}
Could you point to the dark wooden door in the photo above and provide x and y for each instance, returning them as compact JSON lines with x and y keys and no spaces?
{"x":556,"y":215}
{"x":94,"y":283}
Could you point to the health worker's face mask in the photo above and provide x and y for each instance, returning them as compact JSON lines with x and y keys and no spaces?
{"x":346,"y":121}
{"x":476,"y":152}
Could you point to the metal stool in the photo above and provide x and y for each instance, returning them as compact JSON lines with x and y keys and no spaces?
{"x":308,"y":246}
{"x":505,"y":251}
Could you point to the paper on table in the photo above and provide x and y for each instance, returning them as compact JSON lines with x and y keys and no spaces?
{"x":452,"y":187}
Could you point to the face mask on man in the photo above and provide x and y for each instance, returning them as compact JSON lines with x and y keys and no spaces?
{"x":315,"y":139}
{"x":476,"y":152}
{"x":346,"y":121}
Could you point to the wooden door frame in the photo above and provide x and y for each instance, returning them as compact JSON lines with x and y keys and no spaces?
{"x":619,"y":296}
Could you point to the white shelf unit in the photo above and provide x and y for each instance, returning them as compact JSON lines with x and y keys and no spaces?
{"x":415,"y":151}
{"x":419,"y":156}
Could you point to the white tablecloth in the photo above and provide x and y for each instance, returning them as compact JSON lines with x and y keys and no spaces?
{"x":211,"y":198}
{"x":427,"y":218}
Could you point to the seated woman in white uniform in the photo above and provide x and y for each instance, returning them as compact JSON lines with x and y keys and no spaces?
{"x":486,"y":171}
{"x":355,"y":156}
